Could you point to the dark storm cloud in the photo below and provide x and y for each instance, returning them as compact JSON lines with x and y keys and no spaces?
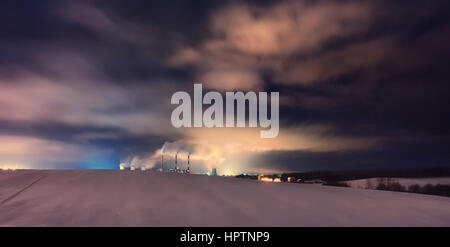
{"x":404,"y":154}
{"x":103,"y":136}
{"x":99,"y":75}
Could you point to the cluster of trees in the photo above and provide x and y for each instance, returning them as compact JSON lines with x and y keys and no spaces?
{"x":429,"y":189}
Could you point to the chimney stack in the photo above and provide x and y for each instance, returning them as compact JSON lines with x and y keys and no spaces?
{"x":188,"y":170}
{"x":176,"y":162}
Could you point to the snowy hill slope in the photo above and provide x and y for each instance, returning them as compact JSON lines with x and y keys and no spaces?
{"x":138,"y":198}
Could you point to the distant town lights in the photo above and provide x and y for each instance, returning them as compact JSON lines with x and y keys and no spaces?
{"x":8,"y":167}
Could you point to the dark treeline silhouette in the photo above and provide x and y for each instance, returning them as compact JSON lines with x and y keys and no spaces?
{"x":334,"y":176}
{"x":247,"y":176}
{"x":429,"y":189}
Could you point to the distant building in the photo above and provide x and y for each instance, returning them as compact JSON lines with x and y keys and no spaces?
{"x":214,"y":172}
{"x":291,"y":179}
{"x":269,"y":178}
{"x":265,"y":178}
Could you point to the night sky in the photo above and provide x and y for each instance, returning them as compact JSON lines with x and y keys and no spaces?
{"x":87,"y":84}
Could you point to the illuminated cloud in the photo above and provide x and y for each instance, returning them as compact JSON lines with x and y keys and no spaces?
{"x":287,"y":27}
{"x":250,"y":39}
{"x":77,"y":94}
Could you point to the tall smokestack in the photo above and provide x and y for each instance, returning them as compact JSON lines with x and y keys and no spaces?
{"x":176,"y":162}
{"x":162,"y":162}
{"x":188,"y":170}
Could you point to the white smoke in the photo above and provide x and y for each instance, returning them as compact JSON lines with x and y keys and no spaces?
{"x":139,"y":162}
{"x":178,"y":147}
{"x":202,"y":158}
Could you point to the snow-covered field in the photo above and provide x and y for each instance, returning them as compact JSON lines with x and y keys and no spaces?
{"x":373,"y":182}
{"x":138,"y":198}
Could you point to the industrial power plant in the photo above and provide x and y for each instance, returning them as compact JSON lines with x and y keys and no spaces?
{"x":168,"y":166}
{"x":177,"y":168}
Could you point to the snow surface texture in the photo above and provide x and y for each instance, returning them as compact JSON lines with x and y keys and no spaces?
{"x":373,"y":182}
{"x":145,"y":198}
